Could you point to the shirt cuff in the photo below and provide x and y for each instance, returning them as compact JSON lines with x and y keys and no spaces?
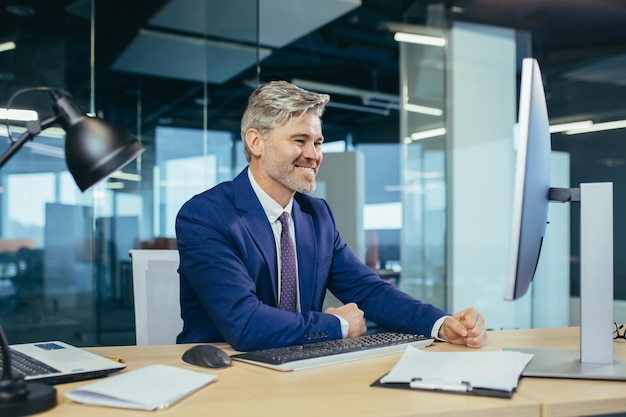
{"x":344,"y":326}
{"x":435,"y":332}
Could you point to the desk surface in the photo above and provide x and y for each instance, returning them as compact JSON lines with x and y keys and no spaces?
{"x":344,"y":390}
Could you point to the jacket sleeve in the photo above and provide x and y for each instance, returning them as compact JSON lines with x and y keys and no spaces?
{"x":383,"y":303}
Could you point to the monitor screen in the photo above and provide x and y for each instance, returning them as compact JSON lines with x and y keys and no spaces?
{"x":532,"y":182}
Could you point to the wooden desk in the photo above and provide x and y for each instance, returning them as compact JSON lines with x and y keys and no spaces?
{"x":344,"y":390}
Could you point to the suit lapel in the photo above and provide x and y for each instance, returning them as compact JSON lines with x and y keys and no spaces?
{"x":259,"y":229}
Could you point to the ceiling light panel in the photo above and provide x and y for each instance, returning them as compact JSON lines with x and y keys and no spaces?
{"x":186,"y":57}
{"x":281,"y":21}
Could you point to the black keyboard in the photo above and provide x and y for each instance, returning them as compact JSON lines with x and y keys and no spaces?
{"x":24,"y":365}
{"x":313,"y":355}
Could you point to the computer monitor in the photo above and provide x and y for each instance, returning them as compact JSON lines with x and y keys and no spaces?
{"x":532,"y":182}
{"x":532,"y":195}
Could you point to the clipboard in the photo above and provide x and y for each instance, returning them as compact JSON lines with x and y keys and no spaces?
{"x":447,"y":387}
{"x":482,"y":373}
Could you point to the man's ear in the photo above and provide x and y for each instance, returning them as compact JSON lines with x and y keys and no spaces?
{"x":255,"y":142}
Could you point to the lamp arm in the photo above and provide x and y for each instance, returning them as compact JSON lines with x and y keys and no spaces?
{"x":33,"y":128}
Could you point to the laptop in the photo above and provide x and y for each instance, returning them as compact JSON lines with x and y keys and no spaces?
{"x":56,"y":362}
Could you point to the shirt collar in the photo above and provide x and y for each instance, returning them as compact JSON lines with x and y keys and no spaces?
{"x":270,"y":206}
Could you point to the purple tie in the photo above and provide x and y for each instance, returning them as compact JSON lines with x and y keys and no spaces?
{"x":288,"y":266}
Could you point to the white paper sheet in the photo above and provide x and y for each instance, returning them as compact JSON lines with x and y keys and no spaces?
{"x":491,"y":370}
{"x":148,"y":388}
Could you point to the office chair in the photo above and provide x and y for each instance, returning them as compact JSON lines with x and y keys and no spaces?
{"x":156,"y":290}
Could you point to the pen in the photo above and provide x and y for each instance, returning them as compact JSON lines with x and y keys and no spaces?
{"x":120,"y":360}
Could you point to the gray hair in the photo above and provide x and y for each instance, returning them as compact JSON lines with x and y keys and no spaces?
{"x":274,"y":104}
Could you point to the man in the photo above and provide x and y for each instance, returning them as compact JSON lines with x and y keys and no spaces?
{"x":229,"y":239}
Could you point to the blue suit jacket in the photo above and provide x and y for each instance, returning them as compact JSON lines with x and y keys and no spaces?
{"x":228,"y":274}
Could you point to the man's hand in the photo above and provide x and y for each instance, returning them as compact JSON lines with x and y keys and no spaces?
{"x":464,"y":328}
{"x":353,"y":315}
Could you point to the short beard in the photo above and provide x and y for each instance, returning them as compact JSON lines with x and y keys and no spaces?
{"x":291,"y":182}
{"x":307,"y":188}
{"x":288,"y":179}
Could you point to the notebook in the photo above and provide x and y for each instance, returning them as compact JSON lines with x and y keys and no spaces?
{"x":152,"y":387}
{"x":68,"y":363}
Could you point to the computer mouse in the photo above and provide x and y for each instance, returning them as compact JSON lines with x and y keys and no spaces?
{"x":206,"y":356}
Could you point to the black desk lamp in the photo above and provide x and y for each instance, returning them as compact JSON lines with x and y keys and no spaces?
{"x":94,"y":149}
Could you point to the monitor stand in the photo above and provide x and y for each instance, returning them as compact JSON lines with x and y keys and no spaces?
{"x":595,"y":359}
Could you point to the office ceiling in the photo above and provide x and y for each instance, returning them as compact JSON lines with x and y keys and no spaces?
{"x":159,"y":52}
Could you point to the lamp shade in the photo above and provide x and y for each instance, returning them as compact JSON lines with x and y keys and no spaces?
{"x":94,"y":148}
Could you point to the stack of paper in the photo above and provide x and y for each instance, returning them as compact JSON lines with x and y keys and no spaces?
{"x":149,"y":388}
{"x":459,"y":371}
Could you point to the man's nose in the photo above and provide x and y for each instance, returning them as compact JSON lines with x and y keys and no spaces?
{"x":311,"y":151}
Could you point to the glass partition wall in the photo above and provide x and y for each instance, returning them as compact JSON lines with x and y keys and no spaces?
{"x":423,"y":141}
{"x":66,"y":270}
{"x":459,"y":110}
{"x":459,"y":85}
{"x":425,"y":134}
{"x":162,"y":79}
{"x":48,"y":243}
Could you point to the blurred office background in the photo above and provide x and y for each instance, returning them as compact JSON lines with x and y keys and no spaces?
{"x":419,"y":153}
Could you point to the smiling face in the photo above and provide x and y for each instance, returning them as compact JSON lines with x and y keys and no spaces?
{"x":287,"y":159}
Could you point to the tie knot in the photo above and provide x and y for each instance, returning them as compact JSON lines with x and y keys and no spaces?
{"x":284,"y":219}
